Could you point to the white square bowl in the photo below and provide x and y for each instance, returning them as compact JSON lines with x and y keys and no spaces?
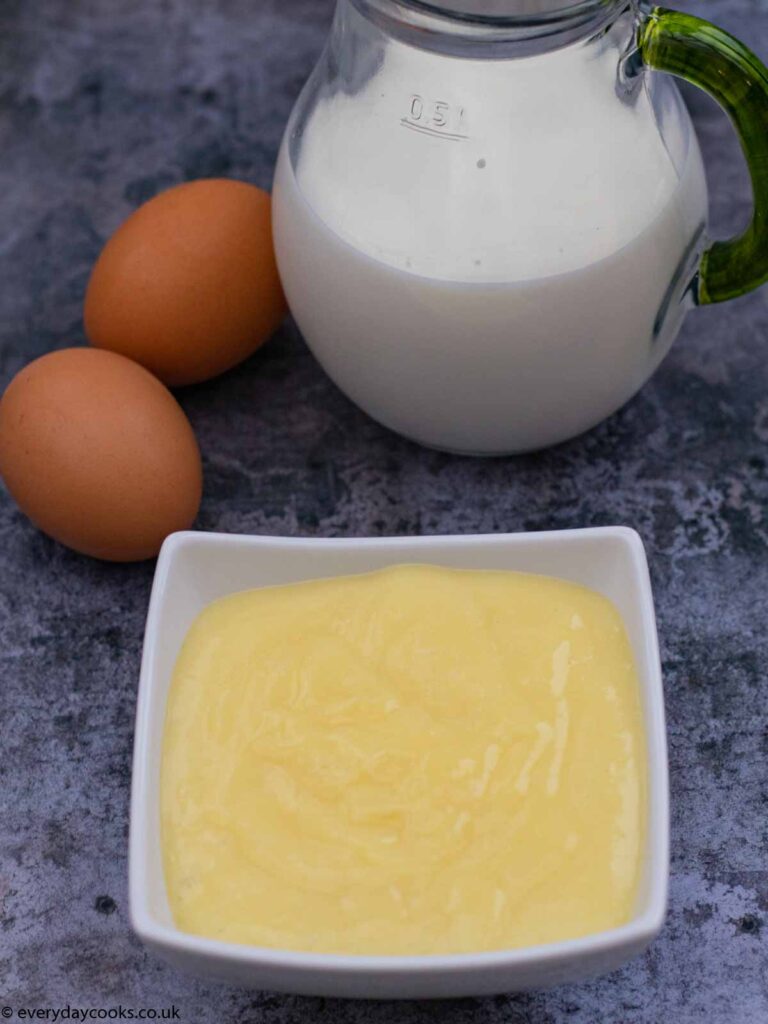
{"x":196,"y":568}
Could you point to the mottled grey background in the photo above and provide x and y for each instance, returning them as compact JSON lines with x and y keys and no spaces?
{"x":103,"y":103}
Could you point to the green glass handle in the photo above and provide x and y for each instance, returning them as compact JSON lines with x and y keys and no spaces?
{"x":722,"y":66}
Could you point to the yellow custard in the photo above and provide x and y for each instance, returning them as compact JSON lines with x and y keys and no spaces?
{"x":419,"y":760}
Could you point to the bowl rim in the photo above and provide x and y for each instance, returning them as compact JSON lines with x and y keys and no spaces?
{"x":638,"y":931}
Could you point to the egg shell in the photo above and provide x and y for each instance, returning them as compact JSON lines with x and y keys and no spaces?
{"x":188,"y":285}
{"x":99,"y":454}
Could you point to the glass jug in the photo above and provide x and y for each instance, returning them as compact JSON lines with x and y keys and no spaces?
{"x":490,"y":215}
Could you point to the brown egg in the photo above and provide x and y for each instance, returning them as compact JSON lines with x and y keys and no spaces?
{"x":188,"y":285}
{"x":99,"y":454}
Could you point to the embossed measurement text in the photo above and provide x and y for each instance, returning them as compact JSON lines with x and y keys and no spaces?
{"x":435,"y":117}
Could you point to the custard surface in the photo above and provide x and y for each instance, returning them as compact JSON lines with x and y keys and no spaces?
{"x":415,"y":761}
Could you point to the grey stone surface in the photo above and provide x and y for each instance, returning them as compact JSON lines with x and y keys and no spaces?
{"x":103,"y":103}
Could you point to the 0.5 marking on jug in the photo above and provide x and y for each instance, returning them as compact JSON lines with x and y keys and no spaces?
{"x":436,"y":118}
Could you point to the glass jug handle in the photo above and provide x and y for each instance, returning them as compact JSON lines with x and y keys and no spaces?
{"x":710,"y":58}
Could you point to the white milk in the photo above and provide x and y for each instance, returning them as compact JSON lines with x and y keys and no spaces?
{"x":482,"y":253}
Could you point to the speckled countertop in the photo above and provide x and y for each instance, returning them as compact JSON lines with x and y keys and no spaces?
{"x":103,"y":103}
